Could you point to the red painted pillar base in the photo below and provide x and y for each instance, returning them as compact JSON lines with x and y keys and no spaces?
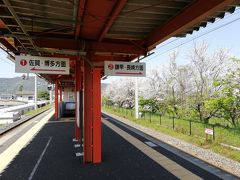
{"x":92,"y":115}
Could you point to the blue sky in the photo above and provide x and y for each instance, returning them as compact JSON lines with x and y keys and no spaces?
{"x":224,"y":37}
{"x":224,"y":33}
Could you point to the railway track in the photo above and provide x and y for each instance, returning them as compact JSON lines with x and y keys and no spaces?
{"x":11,"y":126}
{"x":11,"y":133}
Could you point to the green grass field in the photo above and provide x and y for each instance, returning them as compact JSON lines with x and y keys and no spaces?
{"x":182,"y":131}
{"x":38,"y":110}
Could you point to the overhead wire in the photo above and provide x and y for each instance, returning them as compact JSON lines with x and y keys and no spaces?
{"x":237,"y":11}
{"x":196,"y":37}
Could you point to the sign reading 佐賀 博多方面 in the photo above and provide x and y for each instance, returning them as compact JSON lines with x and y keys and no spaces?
{"x":118,"y":68}
{"x":41,"y":65}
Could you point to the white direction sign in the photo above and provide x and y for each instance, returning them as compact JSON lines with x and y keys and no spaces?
{"x":41,"y":65}
{"x":209,"y":131}
{"x":118,"y":68}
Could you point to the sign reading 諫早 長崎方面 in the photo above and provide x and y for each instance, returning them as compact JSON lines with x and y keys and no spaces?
{"x":118,"y":68}
{"x":41,"y":65}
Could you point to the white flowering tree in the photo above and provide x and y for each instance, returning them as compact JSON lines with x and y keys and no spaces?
{"x":205,"y":87}
{"x":121,"y":92}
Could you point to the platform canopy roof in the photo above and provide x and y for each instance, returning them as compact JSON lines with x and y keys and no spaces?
{"x":100,"y":30}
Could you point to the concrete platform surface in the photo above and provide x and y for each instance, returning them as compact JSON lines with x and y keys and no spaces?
{"x":120,"y":159}
{"x":51,"y":155}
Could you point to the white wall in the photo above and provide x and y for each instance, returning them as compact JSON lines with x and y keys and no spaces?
{"x":69,"y":94}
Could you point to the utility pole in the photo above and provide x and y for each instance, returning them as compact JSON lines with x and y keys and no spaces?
{"x":35,"y":93}
{"x":51,"y":96}
{"x":50,"y":89}
{"x":136,"y":98}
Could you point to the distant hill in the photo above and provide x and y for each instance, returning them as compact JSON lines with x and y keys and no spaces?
{"x":11,"y":85}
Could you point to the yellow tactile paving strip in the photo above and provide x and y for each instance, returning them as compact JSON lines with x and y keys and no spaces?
{"x":163,"y":161}
{"x":8,"y":155}
{"x":65,"y":119}
{"x":68,"y":119}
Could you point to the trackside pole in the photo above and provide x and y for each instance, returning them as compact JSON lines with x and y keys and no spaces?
{"x":51,"y":96}
{"x":92,"y":115}
{"x":136,"y":98}
{"x":35,"y":92}
{"x":56,"y":100}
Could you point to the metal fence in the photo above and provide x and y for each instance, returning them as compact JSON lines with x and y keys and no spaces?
{"x":195,"y":128}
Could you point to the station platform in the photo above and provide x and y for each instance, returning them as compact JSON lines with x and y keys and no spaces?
{"x":51,"y":155}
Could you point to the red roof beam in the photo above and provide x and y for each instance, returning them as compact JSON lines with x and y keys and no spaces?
{"x":2,"y":25}
{"x":79,"y":19}
{"x":101,"y":58}
{"x":115,"y":48}
{"x":67,"y":78}
{"x":8,"y":45}
{"x":196,"y":12}
{"x":89,"y":46}
{"x":113,"y":15}
{"x":71,"y":57}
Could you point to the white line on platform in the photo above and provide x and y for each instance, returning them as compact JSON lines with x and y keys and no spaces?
{"x":8,"y":155}
{"x":77,"y":145}
{"x":149,"y":143}
{"x":171,"y":166}
{"x":78,"y":154}
{"x":75,"y":140}
{"x":39,"y":159}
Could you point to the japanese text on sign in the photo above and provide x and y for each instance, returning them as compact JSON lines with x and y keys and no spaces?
{"x":42,"y":65}
{"x":47,"y":63}
{"x":116,"y":68}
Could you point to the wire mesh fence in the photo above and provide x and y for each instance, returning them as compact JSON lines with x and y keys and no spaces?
{"x":194,"y":128}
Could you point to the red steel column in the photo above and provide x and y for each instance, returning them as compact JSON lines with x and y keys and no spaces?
{"x":97,"y":130}
{"x":88,"y":115}
{"x":60,"y":89}
{"x":92,"y":115}
{"x":56,"y":100}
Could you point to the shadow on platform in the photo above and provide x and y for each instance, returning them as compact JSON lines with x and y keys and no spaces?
{"x":120,"y":159}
